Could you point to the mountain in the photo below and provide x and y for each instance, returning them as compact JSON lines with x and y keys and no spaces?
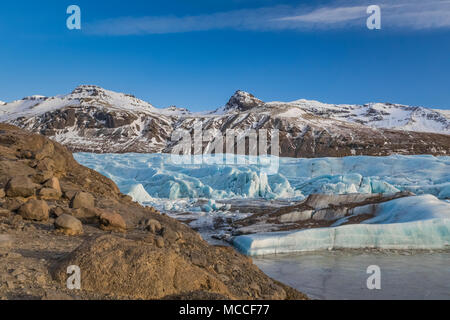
{"x":93,"y":119}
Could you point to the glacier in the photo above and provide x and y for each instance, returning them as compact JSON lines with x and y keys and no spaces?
{"x":202,"y":193}
{"x":420,"y":222}
{"x":160,"y":178}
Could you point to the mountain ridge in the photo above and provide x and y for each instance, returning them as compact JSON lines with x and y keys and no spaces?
{"x":94,"y":119}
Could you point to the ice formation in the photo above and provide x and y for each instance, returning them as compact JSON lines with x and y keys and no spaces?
{"x":421,"y":222}
{"x":198,"y":189}
{"x":296,"y":178}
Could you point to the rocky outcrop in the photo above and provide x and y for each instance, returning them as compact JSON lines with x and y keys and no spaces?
{"x":20,"y":186}
{"x":34,"y":210}
{"x":82,"y":200}
{"x":68,"y":225}
{"x":161,"y":272}
{"x":110,"y":221}
{"x":147,"y":256}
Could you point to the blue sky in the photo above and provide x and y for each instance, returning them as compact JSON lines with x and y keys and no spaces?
{"x":195,"y":54}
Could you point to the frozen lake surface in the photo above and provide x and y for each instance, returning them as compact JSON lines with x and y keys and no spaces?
{"x":342,"y":274}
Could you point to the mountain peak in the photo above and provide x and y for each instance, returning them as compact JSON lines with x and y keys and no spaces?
{"x":91,"y":90}
{"x":243,"y":101}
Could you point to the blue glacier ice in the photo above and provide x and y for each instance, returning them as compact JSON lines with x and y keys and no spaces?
{"x":419,"y":222}
{"x":416,"y":222}
{"x":295,"y":179}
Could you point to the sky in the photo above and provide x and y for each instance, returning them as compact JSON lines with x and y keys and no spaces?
{"x":196,"y":54}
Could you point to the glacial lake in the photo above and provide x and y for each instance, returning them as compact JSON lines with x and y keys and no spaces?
{"x":342,"y":275}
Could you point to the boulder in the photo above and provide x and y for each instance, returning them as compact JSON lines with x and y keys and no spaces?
{"x":159,"y":242}
{"x":5,"y":241}
{"x":42,"y":176}
{"x":86,"y":215}
{"x":49,"y":194}
{"x":156,"y":272}
{"x":53,"y":183}
{"x":83,"y":200}
{"x":160,"y":271}
{"x":112,"y":222}
{"x":20,"y":186}
{"x":45,"y":152}
{"x":13,"y":204}
{"x":35,"y":210}
{"x":153,"y":225}
{"x":170,"y":235}
{"x":69,"y":194}
{"x":46,"y":164}
{"x":68,"y":225}
{"x":4,"y":213}
{"x":57,"y":211}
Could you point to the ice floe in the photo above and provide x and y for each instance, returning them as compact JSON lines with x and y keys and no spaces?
{"x":420,"y":222}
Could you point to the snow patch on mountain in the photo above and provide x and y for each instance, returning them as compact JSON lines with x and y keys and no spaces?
{"x":381,"y":115}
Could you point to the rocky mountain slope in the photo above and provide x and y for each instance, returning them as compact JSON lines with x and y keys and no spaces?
{"x":93,"y":119}
{"x":55,"y":213}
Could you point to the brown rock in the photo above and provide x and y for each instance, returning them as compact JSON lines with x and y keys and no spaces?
{"x":87,"y":215}
{"x":69,"y":194}
{"x":53,"y":183}
{"x":156,"y":272}
{"x":69,"y":225}
{"x":20,"y":186}
{"x":112,"y":222}
{"x":57,"y":211}
{"x":46,"y":164}
{"x":153,"y":225}
{"x":42,"y":176}
{"x":27,"y":154}
{"x":5,"y":213}
{"x":2,"y":193}
{"x":83,"y":200}
{"x":162,"y":272}
{"x":5,"y":241}
{"x":169,"y":235}
{"x":49,"y":194}
{"x":35,"y":210}
{"x":46,"y":151}
{"x":13,"y":204}
{"x":159,"y":242}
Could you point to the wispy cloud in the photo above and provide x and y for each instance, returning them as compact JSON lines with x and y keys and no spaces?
{"x":412,"y":14}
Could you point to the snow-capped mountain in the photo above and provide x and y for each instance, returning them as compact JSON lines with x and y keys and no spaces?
{"x":381,"y":115}
{"x":97,"y":120}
